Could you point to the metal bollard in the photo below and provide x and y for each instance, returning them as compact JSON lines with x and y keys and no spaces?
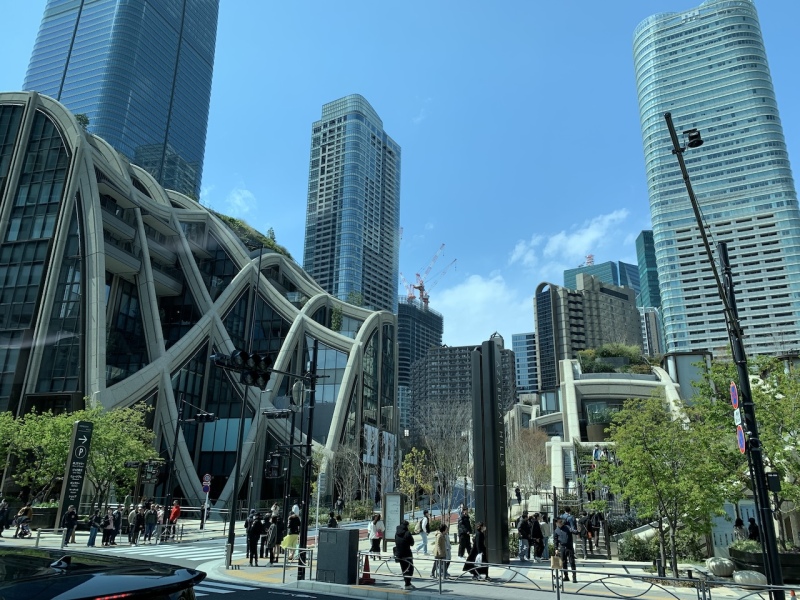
{"x":228,"y":555}
{"x":38,"y":537}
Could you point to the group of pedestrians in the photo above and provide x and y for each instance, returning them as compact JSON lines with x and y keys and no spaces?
{"x":268,"y":535}
{"x":533,"y":531}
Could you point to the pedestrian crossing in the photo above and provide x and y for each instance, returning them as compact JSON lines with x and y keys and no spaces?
{"x":194,"y":552}
{"x":209,"y":586}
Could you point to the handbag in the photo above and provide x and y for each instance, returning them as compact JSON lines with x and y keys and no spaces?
{"x":555,"y":562}
{"x":379,"y":534}
{"x":479,"y":559}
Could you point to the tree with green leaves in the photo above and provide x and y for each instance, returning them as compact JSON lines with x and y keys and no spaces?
{"x":416,"y":475}
{"x":667,"y":466}
{"x":40,"y":442}
{"x":775,"y":390}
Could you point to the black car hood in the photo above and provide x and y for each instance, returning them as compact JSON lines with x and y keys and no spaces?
{"x":37,"y":574}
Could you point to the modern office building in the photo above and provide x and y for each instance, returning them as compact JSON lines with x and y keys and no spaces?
{"x":568,"y":321}
{"x":352,"y":244}
{"x":419,"y":328}
{"x":708,"y":68}
{"x":524,"y":347}
{"x":140,"y":70}
{"x":649,"y":294}
{"x":613,"y":272}
{"x":652,"y":331}
{"x":444,"y":377}
{"x":113,"y":289}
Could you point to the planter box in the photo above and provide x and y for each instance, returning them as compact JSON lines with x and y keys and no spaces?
{"x":43,"y":518}
{"x":596,"y":432}
{"x":754,"y":561}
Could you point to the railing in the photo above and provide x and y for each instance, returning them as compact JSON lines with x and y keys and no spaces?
{"x":541,"y":577}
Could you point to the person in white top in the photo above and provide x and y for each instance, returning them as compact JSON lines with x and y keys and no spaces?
{"x":376,"y":531}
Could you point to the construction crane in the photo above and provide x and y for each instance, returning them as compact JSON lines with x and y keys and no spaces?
{"x":423,"y":291}
{"x":410,"y":296}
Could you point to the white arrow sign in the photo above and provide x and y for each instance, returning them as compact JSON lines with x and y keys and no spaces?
{"x":83,"y":439}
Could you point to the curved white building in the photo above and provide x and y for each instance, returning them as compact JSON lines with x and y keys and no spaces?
{"x":113,"y":289}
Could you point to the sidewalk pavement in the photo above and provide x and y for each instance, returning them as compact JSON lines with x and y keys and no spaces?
{"x":536,"y":579}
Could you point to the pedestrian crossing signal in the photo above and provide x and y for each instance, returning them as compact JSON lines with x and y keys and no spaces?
{"x":272,"y":467}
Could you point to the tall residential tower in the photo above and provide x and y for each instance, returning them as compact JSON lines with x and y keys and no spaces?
{"x":708,"y":67}
{"x":140,"y":70}
{"x":352,"y":245}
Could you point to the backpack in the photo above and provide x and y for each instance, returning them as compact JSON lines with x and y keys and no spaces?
{"x":418,"y":526}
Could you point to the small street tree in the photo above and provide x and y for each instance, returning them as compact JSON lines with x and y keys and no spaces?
{"x":415,"y":475}
{"x":667,"y":467}
{"x":527,"y":460}
{"x":444,"y":429}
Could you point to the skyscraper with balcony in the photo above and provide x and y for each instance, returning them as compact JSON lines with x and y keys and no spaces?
{"x":352,"y":244}
{"x":615,"y":272}
{"x":708,"y":67}
{"x":140,"y":70}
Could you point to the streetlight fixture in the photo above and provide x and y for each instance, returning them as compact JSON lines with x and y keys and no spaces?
{"x":772,"y":564}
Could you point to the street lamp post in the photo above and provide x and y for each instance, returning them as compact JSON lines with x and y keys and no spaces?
{"x":772,"y":564}
{"x":240,"y":438}
{"x":312,"y":380}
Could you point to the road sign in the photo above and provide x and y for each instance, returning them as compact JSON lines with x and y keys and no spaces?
{"x":206,"y":489}
{"x":75,"y":470}
{"x":734,"y":395}
{"x":131,"y":464}
{"x":323,"y":481}
{"x":206,"y":478}
{"x":737,"y":416}
{"x":740,"y":438}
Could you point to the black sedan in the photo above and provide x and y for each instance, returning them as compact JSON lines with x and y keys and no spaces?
{"x":38,"y":574}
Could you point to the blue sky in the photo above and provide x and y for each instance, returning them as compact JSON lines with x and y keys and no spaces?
{"x":517,"y":120}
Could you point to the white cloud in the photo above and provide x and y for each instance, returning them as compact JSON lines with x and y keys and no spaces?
{"x":239,"y":202}
{"x":205,"y":195}
{"x":478,"y":306}
{"x":547,"y":256}
{"x":420,"y":117}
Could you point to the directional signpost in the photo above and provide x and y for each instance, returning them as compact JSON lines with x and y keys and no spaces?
{"x":206,"y":490}
{"x":75,"y":471}
{"x":737,"y":418}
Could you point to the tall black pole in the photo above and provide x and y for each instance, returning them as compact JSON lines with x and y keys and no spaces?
{"x":312,"y":376}
{"x":772,"y":566}
{"x":753,"y":447}
{"x":240,"y":438}
{"x":168,"y":491}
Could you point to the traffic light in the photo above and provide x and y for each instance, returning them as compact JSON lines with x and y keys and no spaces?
{"x":272,"y":467}
{"x":256,"y":370}
{"x":205,"y":418}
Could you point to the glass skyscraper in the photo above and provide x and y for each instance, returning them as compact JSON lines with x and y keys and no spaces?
{"x":649,"y":294}
{"x":618,"y":273}
{"x":708,"y":67}
{"x":352,"y":244}
{"x":140,"y":70}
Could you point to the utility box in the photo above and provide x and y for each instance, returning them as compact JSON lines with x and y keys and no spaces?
{"x":337,"y":555}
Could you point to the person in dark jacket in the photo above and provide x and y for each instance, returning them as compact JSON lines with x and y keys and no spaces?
{"x":752,"y":530}
{"x":253,"y":534}
{"x":69,"y":522}
{"x":95,"y":525}
{"x":272,"y":539}
{"x":479,"y":548}
{"x":332,"y":522}
{"x":564,"y":546}
{"x":524,"y":531}
{"x":464,"y":532}
{"x":404,"y":541}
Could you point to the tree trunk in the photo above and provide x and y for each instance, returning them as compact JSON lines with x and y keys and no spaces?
{"x":674,"y":548}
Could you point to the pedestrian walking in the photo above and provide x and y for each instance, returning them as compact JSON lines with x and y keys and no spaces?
{"x":518,"y":493}
{"x":464,"y":533}
{"x":442,"y":553}
{"x":403,"y":541}
{"x":253,"y":535}
{"x":478,"y":558}
{"x":524,"y":532}
{"x":376,"y":530}
{"x":424,"y":529}
{"x":565,"y":548}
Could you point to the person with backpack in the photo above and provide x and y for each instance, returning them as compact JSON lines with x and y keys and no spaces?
{"x":403,"y":541}
{"x":564,"y":547}
{"x":423,"y":528}
{"x":585,"y":533}
{"x":569,"y":520}
{"x":524,"y":531}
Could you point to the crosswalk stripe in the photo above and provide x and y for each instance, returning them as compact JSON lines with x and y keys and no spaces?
{"x":241,"y":588}
{"x":219,"y":587}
